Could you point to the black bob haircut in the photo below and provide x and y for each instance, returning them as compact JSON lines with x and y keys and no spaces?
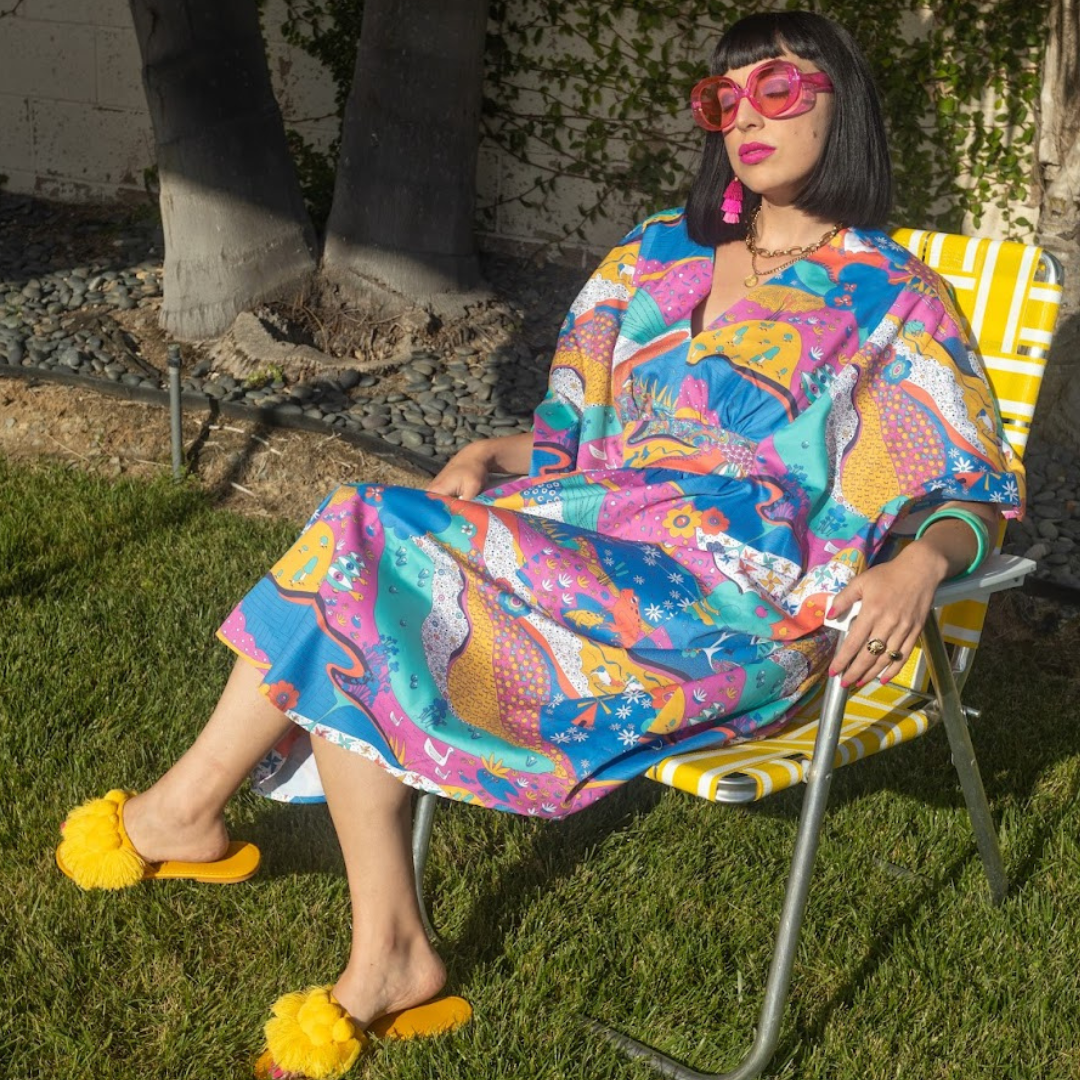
{"x":852,"y":181}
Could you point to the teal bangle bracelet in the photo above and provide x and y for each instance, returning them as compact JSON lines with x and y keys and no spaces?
{"x":977,"y":526}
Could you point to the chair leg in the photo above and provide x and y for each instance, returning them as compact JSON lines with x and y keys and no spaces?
{"x":963,"y":756}
{"x":422,"y":823}
{"x":767,"y":1035}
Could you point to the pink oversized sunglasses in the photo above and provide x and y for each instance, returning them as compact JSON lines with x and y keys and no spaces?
{"x":777,"y":89}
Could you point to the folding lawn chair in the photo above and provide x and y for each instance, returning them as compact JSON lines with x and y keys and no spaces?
{"x":1010,"y":294}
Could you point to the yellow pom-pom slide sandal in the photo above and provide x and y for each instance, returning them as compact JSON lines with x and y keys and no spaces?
{"x":97,"y":854}
{"x":311,"y":1037}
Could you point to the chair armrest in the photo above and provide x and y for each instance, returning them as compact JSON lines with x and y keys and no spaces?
{"x":997,"y":573}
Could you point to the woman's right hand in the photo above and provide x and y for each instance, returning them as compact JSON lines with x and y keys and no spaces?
{"x":465,"y":475}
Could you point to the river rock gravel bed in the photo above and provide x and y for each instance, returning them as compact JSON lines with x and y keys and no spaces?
{"x":80,"y":288}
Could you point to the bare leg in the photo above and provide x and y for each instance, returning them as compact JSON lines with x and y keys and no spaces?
{"x":391,"y":963}
{"x":180,"y":816}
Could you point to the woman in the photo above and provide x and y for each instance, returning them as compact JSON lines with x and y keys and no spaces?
{"x":748,"y":399}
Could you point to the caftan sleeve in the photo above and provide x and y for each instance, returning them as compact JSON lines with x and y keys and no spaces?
{"x":924,"y":427}
{"x":576,"y":416}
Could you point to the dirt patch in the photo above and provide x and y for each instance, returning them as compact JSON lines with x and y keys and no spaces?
{"x":246,"y":467}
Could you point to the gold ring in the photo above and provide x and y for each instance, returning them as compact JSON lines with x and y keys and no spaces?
{"x":875,"y":646}
{"x":895,"y":656}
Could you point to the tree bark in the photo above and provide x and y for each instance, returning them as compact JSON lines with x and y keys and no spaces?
{"x":1059,"y":216}
{"x":403,"y":202}
{"x":236,"y":231}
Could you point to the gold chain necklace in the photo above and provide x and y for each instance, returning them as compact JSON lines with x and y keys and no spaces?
{"x":798,"y":252}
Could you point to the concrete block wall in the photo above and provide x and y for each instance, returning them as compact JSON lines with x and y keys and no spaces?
{"x":74,"y":124}
{"x":73,"y":120}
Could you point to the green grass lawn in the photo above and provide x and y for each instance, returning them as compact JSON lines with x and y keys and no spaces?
{"x":653,"y":912}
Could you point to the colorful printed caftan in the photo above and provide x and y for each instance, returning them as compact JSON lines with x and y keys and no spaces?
{"x":659,"y":581}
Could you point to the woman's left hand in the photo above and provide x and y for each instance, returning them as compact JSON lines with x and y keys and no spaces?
{"x":896,"y":598}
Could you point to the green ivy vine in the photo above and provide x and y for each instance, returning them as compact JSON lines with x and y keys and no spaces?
{"x":959,"y":96}
{"x":577,"y":91}
{"x":328,"y":30}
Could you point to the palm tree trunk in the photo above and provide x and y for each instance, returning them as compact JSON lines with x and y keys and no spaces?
{"x":1059,"y":217}
{"x":236,"y":231}
{"x":403,"y":202}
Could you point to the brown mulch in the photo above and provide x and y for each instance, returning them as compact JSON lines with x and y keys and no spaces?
{"x":246,"y":467}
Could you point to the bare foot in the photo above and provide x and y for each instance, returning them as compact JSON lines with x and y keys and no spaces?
{"x":373,"y":985}
{"x":158,"y":834}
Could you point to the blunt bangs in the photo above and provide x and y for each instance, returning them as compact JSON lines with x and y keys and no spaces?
{"x":852,"y":181}
{"x":753,"y":39}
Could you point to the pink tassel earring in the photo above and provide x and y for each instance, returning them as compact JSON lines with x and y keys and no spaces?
{"x":733,"y":201}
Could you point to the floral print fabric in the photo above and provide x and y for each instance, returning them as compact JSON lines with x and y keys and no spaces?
{"x":659,"y":581}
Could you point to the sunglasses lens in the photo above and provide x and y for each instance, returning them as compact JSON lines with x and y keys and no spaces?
{"x":774,"y":91}
{"x":727,"y":101}
{"x":705,"y":102}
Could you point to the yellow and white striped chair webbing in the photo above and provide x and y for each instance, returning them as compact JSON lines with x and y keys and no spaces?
{"x":882,"y":717}
{"x":1012,"y":314}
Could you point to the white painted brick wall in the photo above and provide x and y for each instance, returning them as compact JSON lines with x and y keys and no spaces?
{"x":47,"y":60}
{"x":119,"y":69}
{"x":303,"y":89}
{"x":74,"y":123}
{"x":16,"y":145}
{"x":69,"y":135}
{"x":85,"y":12}
{"x":73,"y":119}
{"x":273,"y":14}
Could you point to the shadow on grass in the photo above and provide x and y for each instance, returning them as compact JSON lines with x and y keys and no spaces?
{"x":34,"y":562}
{"x":295,"y":839}
{"x":300,"y":840}
{"x":551,"y":854}
{"x":808,"y":1034}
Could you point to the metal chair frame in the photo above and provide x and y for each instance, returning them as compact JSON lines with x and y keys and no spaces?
{"x":947,"y":677}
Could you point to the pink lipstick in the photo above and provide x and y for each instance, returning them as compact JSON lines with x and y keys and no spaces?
{"x":752,"y":153}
